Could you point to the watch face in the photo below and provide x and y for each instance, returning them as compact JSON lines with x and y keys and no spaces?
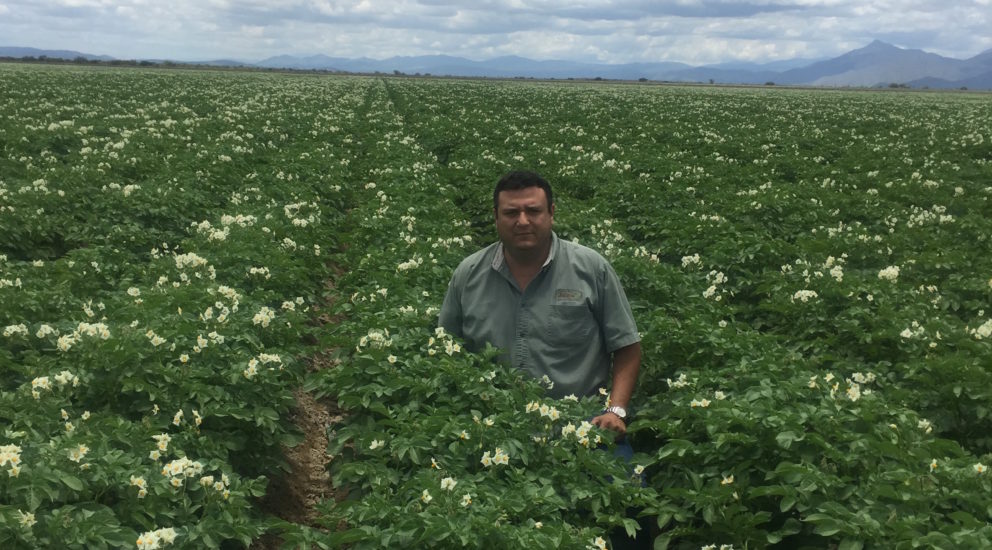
{"x":619,"y":411}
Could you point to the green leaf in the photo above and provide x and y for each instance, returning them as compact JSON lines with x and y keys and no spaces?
{"x":677,"y":446}
{"x":964,"y":518}
{"x":630,"y":526}
{"x":290,"y":439}
{"x":663,"y":519}
{"x":72,"y":482}
{"x":122,"y":537}
{"x":708,"y":514}
{"x":825,"y":524}
{"x":785,"y":439}
{"x":827,"y":528}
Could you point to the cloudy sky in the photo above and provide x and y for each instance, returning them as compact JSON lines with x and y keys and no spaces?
{"x":607,"y":31}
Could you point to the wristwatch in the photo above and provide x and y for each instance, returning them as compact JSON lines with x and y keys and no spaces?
{"x":619,"y":411}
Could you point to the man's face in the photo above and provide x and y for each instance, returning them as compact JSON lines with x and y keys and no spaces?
{"x":524,"y":219}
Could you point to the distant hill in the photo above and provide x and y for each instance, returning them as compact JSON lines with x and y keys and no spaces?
{"x":980,"y":64}
{"x":980,"y":82}
{"x":221,"y":63}
{"x":6,"y":51}
{"x":783,"y":65}
{"x":444,"y":65}
{"x":877,"y":64}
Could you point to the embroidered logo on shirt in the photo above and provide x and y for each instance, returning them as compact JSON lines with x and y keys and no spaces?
{"x":568,"y":297}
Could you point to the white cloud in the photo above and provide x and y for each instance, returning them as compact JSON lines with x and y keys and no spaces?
{"x":691,"y":31}
{"x":253,"y":31}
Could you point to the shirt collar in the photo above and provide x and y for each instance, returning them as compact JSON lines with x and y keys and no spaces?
{"x":499,"y":259}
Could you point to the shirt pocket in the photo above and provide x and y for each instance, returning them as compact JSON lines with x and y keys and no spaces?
{"x":570,"y":325}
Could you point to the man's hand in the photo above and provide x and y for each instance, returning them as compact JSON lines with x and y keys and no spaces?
{"x":610,"y":421}
{"x":626,"y":364}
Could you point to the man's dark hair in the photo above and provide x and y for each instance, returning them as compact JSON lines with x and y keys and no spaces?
{"x":521,"y":179}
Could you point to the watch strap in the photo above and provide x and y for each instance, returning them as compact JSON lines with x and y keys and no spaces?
{"x":619,"y":411}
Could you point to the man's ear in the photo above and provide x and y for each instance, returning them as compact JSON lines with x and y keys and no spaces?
{"x":552,"y":210}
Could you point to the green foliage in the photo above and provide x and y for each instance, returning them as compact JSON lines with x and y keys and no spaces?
{"x":790,"y":394}
{"x":157,"y":289}
{"x":810,"y":272}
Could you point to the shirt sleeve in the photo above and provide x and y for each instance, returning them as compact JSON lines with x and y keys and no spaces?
{"x":450,"y":318}
{"x":617,"y":319}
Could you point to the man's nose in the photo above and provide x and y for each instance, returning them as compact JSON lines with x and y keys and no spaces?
{"x":523,"y":219}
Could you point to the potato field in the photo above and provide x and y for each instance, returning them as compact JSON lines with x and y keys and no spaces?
{"x":184,"y":252}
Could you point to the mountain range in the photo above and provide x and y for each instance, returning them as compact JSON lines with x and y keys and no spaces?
{"x":876,"y":65}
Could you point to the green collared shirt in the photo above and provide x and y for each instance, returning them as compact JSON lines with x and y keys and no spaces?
{"x":565,"y":325}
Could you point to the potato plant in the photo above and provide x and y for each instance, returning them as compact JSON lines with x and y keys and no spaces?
{"x":810,"y":271}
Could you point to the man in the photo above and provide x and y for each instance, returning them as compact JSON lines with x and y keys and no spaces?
{"x":554,"y":307}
